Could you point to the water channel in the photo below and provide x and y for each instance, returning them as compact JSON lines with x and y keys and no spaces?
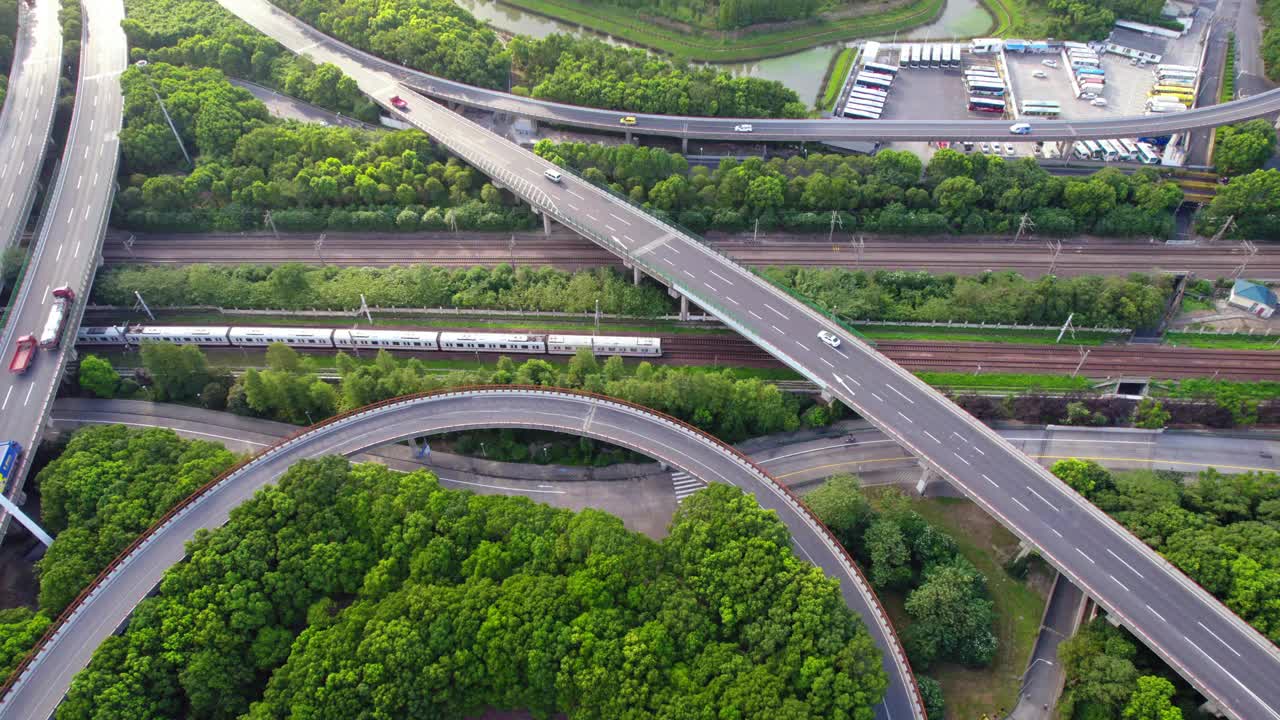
{"x":801,"y":71}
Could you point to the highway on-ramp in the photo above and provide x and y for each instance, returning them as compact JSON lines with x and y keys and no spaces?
{"x":784,"y":130}
{"x":69,"y":241}
{"x":42,"y":683}
{"x":28,"y":113}
{"x":1198,"y":636}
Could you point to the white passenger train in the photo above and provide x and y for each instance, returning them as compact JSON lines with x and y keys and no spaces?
{"x":420,"y":340}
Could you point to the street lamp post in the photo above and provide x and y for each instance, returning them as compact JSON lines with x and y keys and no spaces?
{"x":142,"y":68}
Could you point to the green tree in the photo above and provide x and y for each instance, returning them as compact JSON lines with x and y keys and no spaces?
{"x":1244,"y":148}
{"x":1084,"y":476}
{"x":98,"y":377}
{"x":841,"y":506}
{"x":1150,"y":414}
{"x":177,"y":372}
{"x":951,"y":617}
{"x":1152,"y":700}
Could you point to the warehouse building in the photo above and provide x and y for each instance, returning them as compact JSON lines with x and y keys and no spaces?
{"x":1257,"y":299}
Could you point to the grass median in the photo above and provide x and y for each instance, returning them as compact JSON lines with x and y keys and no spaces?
{"x":835,"y":79}
{"x":708,"y":47}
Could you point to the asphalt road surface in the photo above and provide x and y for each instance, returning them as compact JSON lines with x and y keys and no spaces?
{"x":28,"y":113}
{"x":42,"y":686}
{"x":67,"y":245}
{"x":570,"y":252}
{"x":833,"y":129}
{"x":1217,"y":652}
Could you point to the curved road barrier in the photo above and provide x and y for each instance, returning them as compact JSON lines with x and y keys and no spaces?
{"x":35,"y":688}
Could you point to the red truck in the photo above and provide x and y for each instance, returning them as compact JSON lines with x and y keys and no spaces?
{"x":23,"y":354}
{"x":399,"y":103}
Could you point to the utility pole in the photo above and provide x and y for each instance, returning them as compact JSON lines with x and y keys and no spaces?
{"x":858,"y":244}
{"x":1025,"y":225}
{"x":266,"y":218}
{"x":1065,"y":327}
{"x":835,"y":220}
{"x":755,"y":234}
{"x":1250,"y":250}
{"x":1084,"y":355}
{"x":128,"y":244}
{"x":1226,"y":228}
{"x":511,"y":247}
{"x":1056,"y":248}
{"x":596,"y":332}
{"x":142,"y":67}
{"x":320,"y":246}
{"x":142,"y":305}
{"x":364,"y":308}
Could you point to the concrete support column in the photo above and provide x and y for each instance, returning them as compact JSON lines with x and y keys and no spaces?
{"x":1211,"y":707}
{"x":27,"y":522}
{"x":628,"y":135}
{"x":546,"y":224}
{"x":1024,"y":549}
{"x":926,"y":474}
{"x":684,"y":308}
{"x":684,"y":146}
{"x":635,"y":274}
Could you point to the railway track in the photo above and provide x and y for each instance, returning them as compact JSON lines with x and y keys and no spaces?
{"x":572,"y":253}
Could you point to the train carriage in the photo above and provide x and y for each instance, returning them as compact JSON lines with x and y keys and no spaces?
{"x":628,"y":346}
{"x":101,"y":336}
{"x":293,"y":337}
{"x":493,"y":342}
{"x":178,"y":334}
{"x":393,"y":339}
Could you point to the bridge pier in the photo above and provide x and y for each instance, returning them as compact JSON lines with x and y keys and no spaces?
{"x":1211,"y":707}
{"x":546,"y":224}
{"x":684,"y":308}
{"x":684,"y":146}
{"x":628,"y":135}
{"x":27,"y":522}
{"x":635,"y":275}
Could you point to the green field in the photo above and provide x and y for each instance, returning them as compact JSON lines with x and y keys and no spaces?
{"x":984,"y":542}
{"x":1005,"y":382}
{"x":1222,"y":342}
{"x":835,"y":79}
{"x":711,"y":47}
{"x":993,"y":335}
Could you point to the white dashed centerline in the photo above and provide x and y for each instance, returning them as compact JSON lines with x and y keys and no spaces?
{"x":1153,"y":612}
{"x":1113,"y":578}
{"x":754,"y":315}
{"x":775,"y":311}
{"x":1024,"y":507}
{"x":713,"y":272}
{"x":993,"y":482}
{"x":1219,"y":639}
{"x":877,"y":397}
{"x":1132,"y":569}
{"x":828,"y":362}
{"x":1086,"y":557}
{"x":931,"y":437}
{"x":904,"y":417}
{"x":904,"y":397}
{"x":1042,"y":499}
{"x":959,"y":457}
{"x":806,"y":349}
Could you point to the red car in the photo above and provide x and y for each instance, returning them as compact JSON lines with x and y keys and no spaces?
{"x":399,"y":103}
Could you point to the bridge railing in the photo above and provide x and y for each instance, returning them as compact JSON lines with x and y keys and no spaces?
{"x":80,"y":604}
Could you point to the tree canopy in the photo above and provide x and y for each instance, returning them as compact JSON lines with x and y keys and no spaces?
{"x":353,"y":592}
{"x":1245,"y":147}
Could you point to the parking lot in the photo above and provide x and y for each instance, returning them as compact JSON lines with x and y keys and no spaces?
{"x":1126,"y":86}
{"x":920,"y":93}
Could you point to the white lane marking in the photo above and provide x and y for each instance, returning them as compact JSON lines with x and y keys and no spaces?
{"x":575,"y":194}
{"x":628,"y":239}
{"x":754,"y":315}
{"x":931,"y":437}
{"x":978,"y":450}
{"x":960,"y":457}
{"x":828,"y":362}
{"x":953,"y":432}
{"x":712,"y":289}
{"x":1218,"y":638}
{"x":70,"y":213}
{"x":713,"y":272}
{"x":1132,"y":569}
{"x":877,"y":397}
{"x":499,"y":487}
{"x":735,"y":302}
{"x":668,"y":261}
{"x":22,"y":167}
{"x":86,"y":212}
{"x":673,"y":249}
{"x":610,"y":228}
{"x":10,"y":200}
{"x":1096,"y":442}
{"x":993,"y":482}
{"x":686,"y":272}
{"x":777,"y":329}
{"x":77,"y":252}
{"x":904,"y":417}
{"x":775,"y":311}
{"x":621,"y":220}
{"x":1042,"y":499}
{"x":1256,"y":699}
{"x":30,"y":387}
{"x":1086,"y":557}
{"x":1024,"y":507}
{"x":806,"y":554}
{"x":855,"y":382}
{"x":572,"y":207}
{"x":846,"y":357}
{"x":1126,"y":587}
{"x":95,"y":178}
{"x":6,"y":398}
{"x":79,"y":180}
{"x":1055,"y":532}
{"x":803,"y":346}
{"x":1153,"y":612}
{"x":904,"y":397}
{"x":593,"y":217}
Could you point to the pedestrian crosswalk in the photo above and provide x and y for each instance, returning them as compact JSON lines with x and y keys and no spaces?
{"x":685,"y":485}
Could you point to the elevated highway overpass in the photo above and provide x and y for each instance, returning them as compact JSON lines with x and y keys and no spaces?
{"x":41,"y":682}
{"x":1222,"y":656}
{"x":777,"y":130}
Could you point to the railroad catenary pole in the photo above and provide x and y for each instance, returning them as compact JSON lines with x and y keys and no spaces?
{"x":1250,"y":250}
{"x":1084,"y":355}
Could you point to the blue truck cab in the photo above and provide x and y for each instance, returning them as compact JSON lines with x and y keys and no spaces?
{"x":9,"y":452}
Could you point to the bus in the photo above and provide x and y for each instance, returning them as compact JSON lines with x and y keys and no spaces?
{"x":1147,"y":154}
{"x":1068,"y":44}
{"x":873,"y":92}
{"x":1095,"y":150}
{"x":1081,"y":150}
{"x":1176,"y":82}
{"x":871,"y":82}
{"x":982,"y":104}
{"x":860,"y":93}
{"x":1042,"y":108}
{"x":1168,"y":98}
{"x":1130,"y":148}
{"x":1078,"y":63}
{"x":876,"y":75}
{"x":880,"y":68}
{"x":1173,"y":90}
{"x":981,"y":74}
{"x":992,"y":68}
{"x":1078,"y":52}
{"x":864,"y":110}
{"x":1181,"y":68}
{"x":1110,"y":152}
{"x":986,"y":89}
{"x":956,"y":51}
{"x":867,"y":102}
{"x":1099,"y":72}
{"x":856,"y":114}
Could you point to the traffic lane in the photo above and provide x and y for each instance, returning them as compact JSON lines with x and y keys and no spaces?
{"x":38,"y":696}
{"x":28,"y":113}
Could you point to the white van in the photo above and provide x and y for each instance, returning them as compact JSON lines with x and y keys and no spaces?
{"x":552,"y":175}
